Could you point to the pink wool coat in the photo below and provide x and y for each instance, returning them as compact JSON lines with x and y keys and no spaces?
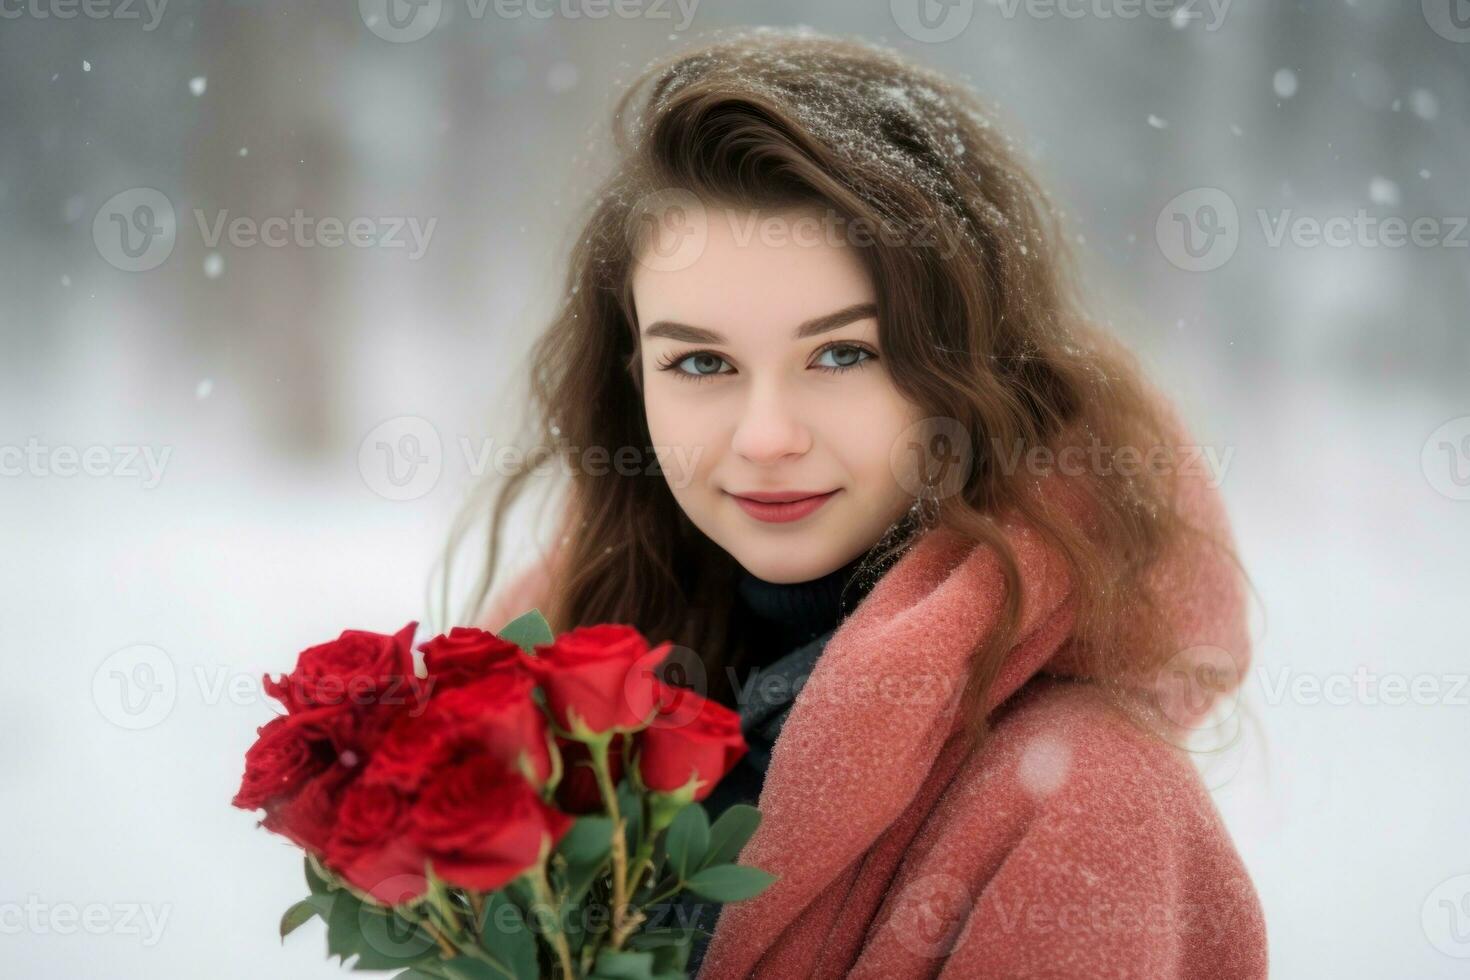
{"x":1069,"y":845}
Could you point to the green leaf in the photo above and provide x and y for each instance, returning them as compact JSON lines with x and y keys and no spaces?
{"x":623,"y":965}
{"x":576,"y":927}
{"x":671,"y":960}
{"x":585,"y":847}
{"x":660,"y":857}
{"x":298,"y":914}
{"x":687,"y":840}
{"x":344,"y":937}
{"x":389,"y":941}
{"x":652,"y":939}
{"x":468,"y":968}
{"x":506,"y":939}
{"x":527,"y":630}
{"x":730,"y":832}
{"x":729,"y":882}
{"x":590,"y":839}
{"x":416,"y":974}
{"x":670,"y":947}
{"x":520,"y":891}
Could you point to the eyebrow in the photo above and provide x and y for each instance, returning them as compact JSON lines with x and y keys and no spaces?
{"x":811,"y":328}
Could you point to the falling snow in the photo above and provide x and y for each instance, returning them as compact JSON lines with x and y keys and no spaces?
{"x":1383,"y":191}
{"x":1284,"y":83}
{"x":1423,"y":104}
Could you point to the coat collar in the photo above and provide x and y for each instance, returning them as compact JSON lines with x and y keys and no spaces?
{"x":882,"y":701}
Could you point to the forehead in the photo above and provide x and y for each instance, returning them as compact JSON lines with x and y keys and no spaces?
{"x":752,"y":273}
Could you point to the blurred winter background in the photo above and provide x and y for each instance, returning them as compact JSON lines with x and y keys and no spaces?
{"x":193,"y":427}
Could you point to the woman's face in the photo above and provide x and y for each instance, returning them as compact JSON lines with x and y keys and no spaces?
{"x":762,"y":374}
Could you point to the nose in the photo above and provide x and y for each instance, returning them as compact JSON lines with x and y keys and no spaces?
{"x":768,"y":430}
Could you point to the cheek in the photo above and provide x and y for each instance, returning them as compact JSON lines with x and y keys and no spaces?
{"x":680,"y":432}
{"x":869,"y":434}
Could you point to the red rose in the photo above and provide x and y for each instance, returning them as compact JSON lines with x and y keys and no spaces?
{"x":307,"y":818}
{"x":481,"y":824}
{"x":601,"y":676}
{"x":578,"y":791}
{"x":691,"y":736}
{"x":496,"y":713}
{"x":341,"y":700}
{"x":370,"y":845}
{"x":467,"y":654}
{"x":289,"y":751}
{"x":358,"y":669}
{"x":297,"y":770}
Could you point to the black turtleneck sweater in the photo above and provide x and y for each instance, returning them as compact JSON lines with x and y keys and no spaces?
{"x":789,"y":626}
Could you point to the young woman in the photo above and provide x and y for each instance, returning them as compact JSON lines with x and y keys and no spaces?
{"x":913,"y":515}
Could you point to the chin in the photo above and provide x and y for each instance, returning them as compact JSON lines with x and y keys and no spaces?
{"x":780,"y":568}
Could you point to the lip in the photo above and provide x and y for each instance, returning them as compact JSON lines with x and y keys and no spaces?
{"x":782,"y":507}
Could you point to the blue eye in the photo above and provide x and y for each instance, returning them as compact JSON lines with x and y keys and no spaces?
{"x":851,"y":356}
{"x":698,"y":358}
{"x":707,"y":364}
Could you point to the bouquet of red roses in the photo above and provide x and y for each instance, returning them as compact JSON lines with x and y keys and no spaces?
{"x":514,"y":813}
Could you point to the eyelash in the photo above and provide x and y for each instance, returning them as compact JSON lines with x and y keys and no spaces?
{"x":672,"y":361}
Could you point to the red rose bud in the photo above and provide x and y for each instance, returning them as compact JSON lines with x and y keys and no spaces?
{"x":482,"y":825}
{"x":690,"y":745}
{"x":467,"y":654}
{"x":599,"y":679}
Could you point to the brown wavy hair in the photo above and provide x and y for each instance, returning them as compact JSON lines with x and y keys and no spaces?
{"x":980,"y":322}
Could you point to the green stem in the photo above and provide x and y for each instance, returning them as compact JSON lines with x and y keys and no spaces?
{"x":445,"y":946}
{"x":439,"y":902}
{"x":558,"y":938}
{"x":660,"y":896}
{"x":642,"y":860}
{"x":598,"y":751}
